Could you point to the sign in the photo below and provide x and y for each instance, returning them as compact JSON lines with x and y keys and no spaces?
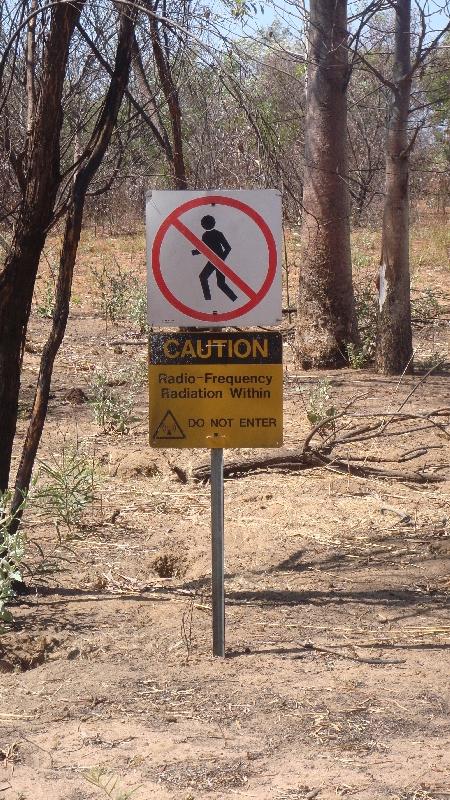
{"x":214,"y":257}
{"x":216,"y":390}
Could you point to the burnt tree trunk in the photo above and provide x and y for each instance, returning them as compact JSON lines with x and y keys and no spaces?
{"x":394,"y":341}
{"x":41,"y":182}
{"x":326,"y":309}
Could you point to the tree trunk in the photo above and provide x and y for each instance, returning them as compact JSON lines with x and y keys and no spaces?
{"x":394,"y":341}
{"x":42,"y":178}
{"x":326,"y":308}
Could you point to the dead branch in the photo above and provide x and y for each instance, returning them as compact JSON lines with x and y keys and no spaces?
{"x":295,"y":460}
{"x":307,"y":457}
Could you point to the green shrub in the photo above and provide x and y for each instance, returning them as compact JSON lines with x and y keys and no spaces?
{"x":46,"y":304}
{"x":366,"y":306}
{"x":318,"y":402}
{"x":111,"y":412}
{"x":113,"y":289}
{"x":137,"y":309}
{"x":69,"y":485}
{"x":121,"y":295}
{"x":12,"y":551}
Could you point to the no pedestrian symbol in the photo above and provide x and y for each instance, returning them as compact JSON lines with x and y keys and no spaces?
{"x":214,"y":258}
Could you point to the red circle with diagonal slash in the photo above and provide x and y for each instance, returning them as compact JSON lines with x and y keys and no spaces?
{"x":174,"y":217}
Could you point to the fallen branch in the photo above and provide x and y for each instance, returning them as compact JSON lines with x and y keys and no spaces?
{"x":308,"y":456}
{"x":294,"y":460}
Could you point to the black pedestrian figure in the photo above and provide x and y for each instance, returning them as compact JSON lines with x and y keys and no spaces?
{"x":216,"y":241}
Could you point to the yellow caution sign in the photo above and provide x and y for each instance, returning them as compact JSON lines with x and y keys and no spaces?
{"x":216,"y":390}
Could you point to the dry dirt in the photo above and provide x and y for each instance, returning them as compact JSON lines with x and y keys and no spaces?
{"x":336,"y":676}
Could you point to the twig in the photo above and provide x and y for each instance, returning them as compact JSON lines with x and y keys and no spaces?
{"x":377,"y":661}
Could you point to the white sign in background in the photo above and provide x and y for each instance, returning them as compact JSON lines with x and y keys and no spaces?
{"x":214,"y":257}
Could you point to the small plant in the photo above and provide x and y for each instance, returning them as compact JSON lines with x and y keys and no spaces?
{"x":120,"y":294}
{"x":318,"y":405}
{"x":104,"y":780}
{"x":137,"y":373}
{"x":111,"y":287}
{"x":137,"y":310}
{"x":45,"y":308}
{"x":12,"y":551}
{"x":111,"y":412}
{"x":23,"y":410}
{"x":167,"y":565}
{"x":360,"y":355}
{"x":69,"y":485}
{"x":361,"y":260}
{"x":357,"y":358}
{"x":426,"y":307}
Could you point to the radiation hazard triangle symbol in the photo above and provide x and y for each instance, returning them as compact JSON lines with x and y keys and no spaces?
{"x":168,"y":428}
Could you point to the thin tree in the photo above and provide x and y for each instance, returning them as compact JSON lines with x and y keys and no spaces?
{"x":394,"y":352}
{"x":394,"y":340}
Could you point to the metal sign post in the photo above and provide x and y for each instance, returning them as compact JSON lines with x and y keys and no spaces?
{"x":217,"y":543}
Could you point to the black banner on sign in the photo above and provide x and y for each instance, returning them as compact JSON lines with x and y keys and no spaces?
{"x":215,"y":348}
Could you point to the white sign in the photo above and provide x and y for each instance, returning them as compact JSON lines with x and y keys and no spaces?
{"x":214,"y":258}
